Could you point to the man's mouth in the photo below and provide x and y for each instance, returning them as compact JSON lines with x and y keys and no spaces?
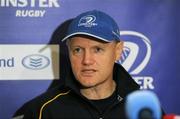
{"x":88,"y":72}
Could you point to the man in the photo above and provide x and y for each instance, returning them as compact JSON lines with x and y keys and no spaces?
{"x":95,"y":86}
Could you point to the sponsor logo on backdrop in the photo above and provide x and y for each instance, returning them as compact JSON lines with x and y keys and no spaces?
{"x":135,"y":58}
{"x":35,"y":62}
{"x":30,"y":8}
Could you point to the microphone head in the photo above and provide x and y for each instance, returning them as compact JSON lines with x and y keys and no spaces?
{"x":143,"y":104}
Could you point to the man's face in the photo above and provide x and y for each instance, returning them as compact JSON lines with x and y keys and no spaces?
{"x":92,"y":61}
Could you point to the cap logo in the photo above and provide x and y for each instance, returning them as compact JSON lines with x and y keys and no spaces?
{"x":87,"y":21}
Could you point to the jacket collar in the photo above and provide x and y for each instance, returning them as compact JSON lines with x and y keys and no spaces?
{"x":124,"y":82}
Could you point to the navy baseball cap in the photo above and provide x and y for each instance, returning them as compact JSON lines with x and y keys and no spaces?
{"x":96,"y":24}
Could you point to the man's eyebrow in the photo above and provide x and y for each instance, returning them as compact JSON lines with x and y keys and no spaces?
{"x":76,"y":46}
{"x":99,"y":45}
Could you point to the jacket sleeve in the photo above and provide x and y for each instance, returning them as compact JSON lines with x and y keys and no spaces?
{"x":26,"y":112}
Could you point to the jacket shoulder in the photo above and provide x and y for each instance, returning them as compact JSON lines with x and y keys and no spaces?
{"x":31,"y":109}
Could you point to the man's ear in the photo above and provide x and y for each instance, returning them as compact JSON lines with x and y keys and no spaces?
{"x":119,"y":49}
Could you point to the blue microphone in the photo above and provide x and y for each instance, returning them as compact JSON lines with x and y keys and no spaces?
{"x":143,"y":104}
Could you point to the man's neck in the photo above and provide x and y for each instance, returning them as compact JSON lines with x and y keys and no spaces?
{"x":101,"y":91}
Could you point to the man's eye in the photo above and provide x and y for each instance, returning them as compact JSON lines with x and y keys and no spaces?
{"x":77,"y":50}
{"x":97,"y":49}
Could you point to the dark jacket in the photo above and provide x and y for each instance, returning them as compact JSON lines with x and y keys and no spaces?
{"x":66,"y":101}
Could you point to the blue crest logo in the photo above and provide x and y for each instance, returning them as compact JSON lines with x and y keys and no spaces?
{"x":87,"y":21}
{"x":135,"y":57}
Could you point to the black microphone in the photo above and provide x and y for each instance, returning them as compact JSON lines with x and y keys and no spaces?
{"x":143,"y":104}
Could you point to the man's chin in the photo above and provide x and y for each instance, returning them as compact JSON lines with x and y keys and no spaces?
{"x":87,"y":86}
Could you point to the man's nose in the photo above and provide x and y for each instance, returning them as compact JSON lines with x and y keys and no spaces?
{"x":88,"y":58}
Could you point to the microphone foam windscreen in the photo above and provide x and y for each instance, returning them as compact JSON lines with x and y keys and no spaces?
{"x":140,"y":100}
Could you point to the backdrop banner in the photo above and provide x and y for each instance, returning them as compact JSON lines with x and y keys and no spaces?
{"x":30,"y":34}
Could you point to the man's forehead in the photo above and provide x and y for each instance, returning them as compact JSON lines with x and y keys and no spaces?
{"x":90,"y":44}
{"x":86,"y":41}
{"x":85,"y":38}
